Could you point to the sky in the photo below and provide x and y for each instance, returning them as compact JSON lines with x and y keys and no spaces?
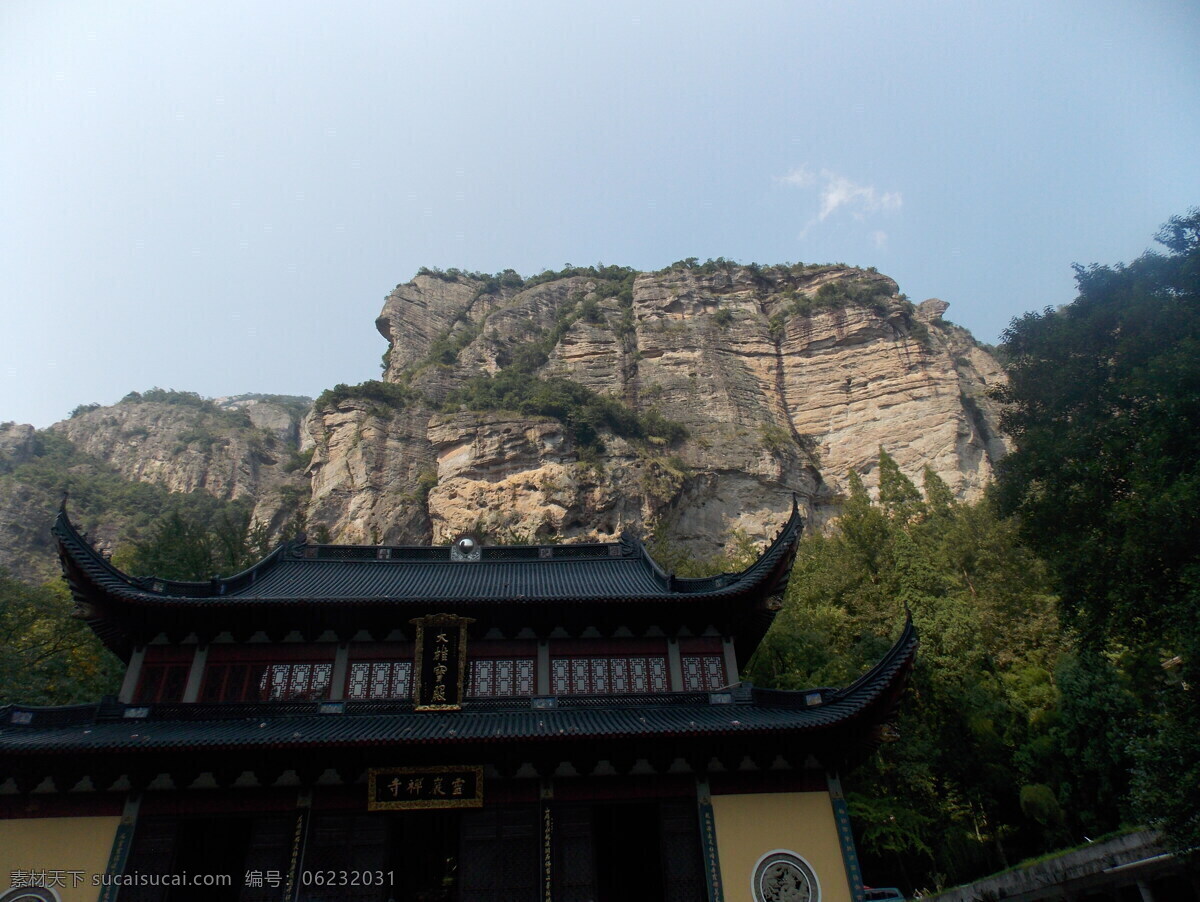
{"x":216,"y":197}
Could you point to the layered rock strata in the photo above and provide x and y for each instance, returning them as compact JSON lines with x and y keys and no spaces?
{"x":783,"y":387}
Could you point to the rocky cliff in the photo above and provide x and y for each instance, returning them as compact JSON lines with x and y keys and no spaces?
{"x":120,"y":463}
{"x":783,"y":378}
{"x":231,"y":448}
{"x":690,"y":404}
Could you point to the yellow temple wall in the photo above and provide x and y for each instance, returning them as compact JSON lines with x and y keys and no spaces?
{"x":63,"y":844}
{"x":749,"y":826}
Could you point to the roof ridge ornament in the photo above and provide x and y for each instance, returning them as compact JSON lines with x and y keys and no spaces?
{"x":467,"y":547}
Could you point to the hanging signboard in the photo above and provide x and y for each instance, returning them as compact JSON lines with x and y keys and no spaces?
{"x":440,"y":662}
{"x":392,"y":788}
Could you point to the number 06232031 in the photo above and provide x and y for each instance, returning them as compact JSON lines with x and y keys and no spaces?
{"x":348,"y":878}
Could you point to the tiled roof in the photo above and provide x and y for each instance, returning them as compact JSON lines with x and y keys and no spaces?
{"x":28,"y":731}
{"x":618,"y":571}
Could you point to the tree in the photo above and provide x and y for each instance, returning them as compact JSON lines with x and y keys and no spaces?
{"x":46,"y":657}
{"x":1104,"y":407}
{"x":184,"y":545}
{"x":945,"y":802}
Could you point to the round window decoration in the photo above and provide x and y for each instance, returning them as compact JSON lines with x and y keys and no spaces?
{"x":30,"y":894}
{"x":783,"y":876}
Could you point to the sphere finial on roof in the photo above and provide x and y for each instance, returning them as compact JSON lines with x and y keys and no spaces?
{"x":466,"y":547}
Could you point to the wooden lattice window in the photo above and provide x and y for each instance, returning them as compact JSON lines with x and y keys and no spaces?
{"x":502,"y":678}
{"x":260,"y":681}
{"x":703,"y":673}
{"x":381,"y":680}
{"x":608,"y":675}
{"x":161,"y":683}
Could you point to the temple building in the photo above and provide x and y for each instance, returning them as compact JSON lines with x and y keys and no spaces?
{"x":463,"y":722}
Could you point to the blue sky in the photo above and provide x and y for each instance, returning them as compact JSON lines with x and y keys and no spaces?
{"x":217,"y":196}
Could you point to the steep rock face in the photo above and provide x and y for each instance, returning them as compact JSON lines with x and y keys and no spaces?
{"x":857,"y":381}
{"x":785,"y":380}
{"x":370,"y":472}
{"x":281,"y":422}
{"x":16,"y":444}
{"x":191,"y":447}
{"x":520,"y":479}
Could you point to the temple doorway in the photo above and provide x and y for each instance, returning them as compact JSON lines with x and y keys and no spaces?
{"x":423,"y":856}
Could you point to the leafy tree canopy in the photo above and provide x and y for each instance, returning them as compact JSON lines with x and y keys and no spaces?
{"x":981,"y":728}
{"x":46,"y":657}
{"x":185,"y":546}
{"x":1104,"y":406}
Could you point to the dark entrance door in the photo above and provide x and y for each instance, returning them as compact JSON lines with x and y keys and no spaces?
{"x":473,"y":855}
{"x":500,"y":858}
{"x":628,"y":861}
{"x":211,"y":846}
{"x":620,"y":851}
{"x":423,"y":856}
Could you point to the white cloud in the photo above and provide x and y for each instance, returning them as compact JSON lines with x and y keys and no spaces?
{"x":838,"y":193}
{"x":800,"y":177}
{"x":880,"y":238}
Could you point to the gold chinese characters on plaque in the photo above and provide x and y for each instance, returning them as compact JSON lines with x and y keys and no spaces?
{"x":440,"y":662}
{"x":393,"y":788}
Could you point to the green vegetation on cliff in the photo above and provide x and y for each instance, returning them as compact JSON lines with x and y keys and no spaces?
{"x":518,"y":385}
{"x":98,"y":493}
{"x":580,"y":409}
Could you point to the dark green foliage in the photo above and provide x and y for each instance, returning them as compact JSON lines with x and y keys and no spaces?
{"x":84,"y":408}
{"x":1039,"y":803}
{"x":582,"y":410}
{"x":1166,"y":779}
{"x":296,"y":405}
{"x":511,"y":280}
{"x":445,"y":348}
{"x":707,"y":268}
{"x":453,"y":274}
{"x":46,"y":656}
{"x":778,"y":326}
{"x":777,"y":439}
{"x":1104,"y":399}
{"x":873,"y":293}
{"x":426,"y":482}
{"x":589,"y":311}
{"x":217,"y":417}
{"x":169,"y":396}
{"x":136,"y":511}
{"x":298,"y":461}
{"x":723,"y":316}
{"x":599,"y":272}
{"x":1097,"y":721}
{"x":204,"y":437}
{"x":184,"y":546}
{"x":619,"y":288}
{"x":1103,"y":402}
{"x":384,"y":398}
{"x":976,"y":725}
{"x":98,"y":493}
